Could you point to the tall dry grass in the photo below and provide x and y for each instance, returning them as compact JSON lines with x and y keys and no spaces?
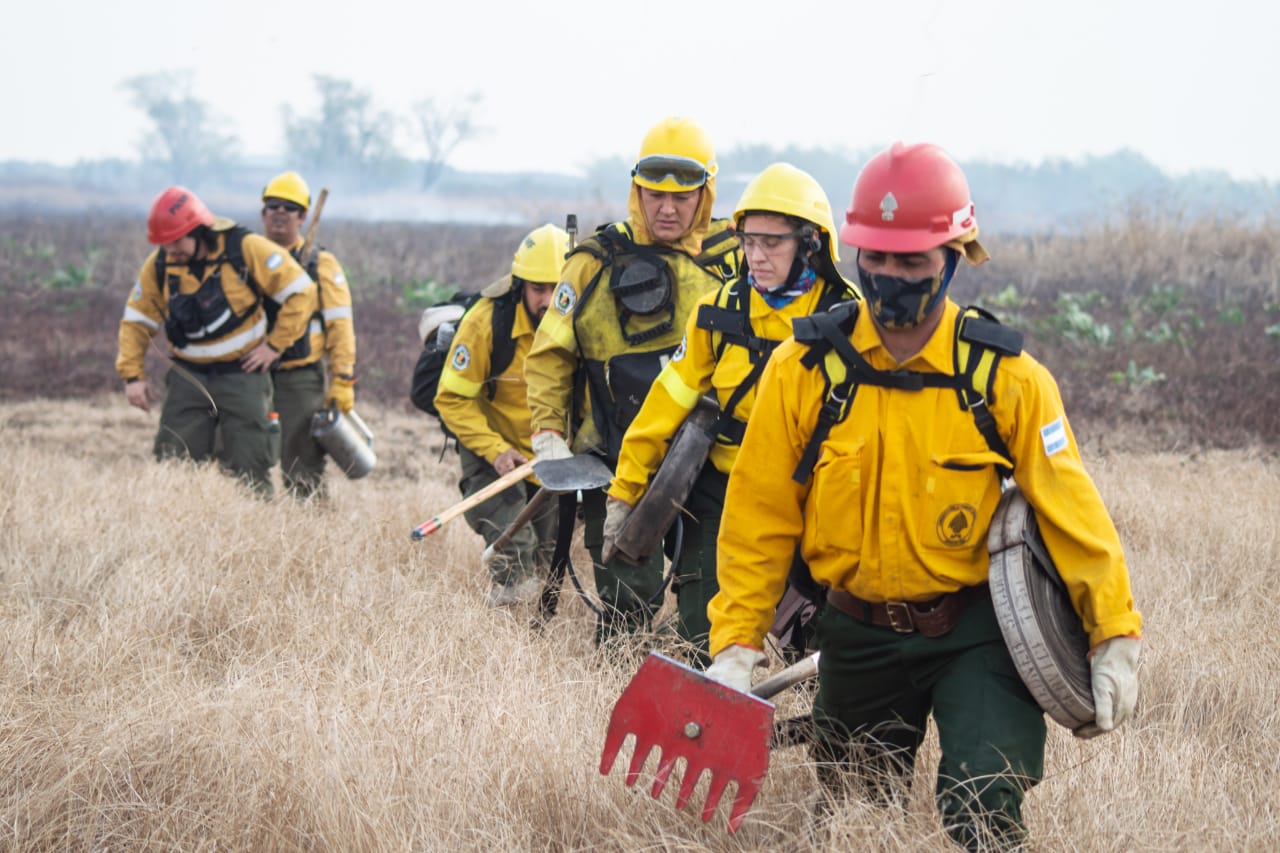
{"x":185,"y":667}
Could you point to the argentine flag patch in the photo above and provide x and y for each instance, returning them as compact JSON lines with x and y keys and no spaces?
{"x":274,"y":261}
{"x":1054,"y":436}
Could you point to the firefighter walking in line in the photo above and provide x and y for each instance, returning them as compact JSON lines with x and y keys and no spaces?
{"x":784,"y":224}
{"x":860,"y":450}
{"x":482,"y":400}
{"x":617,"y":316}
{"x":299,"y":376}
{"x":206,"y":286}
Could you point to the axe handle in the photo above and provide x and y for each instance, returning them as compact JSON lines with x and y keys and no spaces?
{"x":530,"y":509}
{"x":310,"y":239}
{"x":504,"y":482}
{"x":800,"y":671}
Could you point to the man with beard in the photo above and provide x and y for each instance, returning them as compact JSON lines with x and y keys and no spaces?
{"x":481,"y":400}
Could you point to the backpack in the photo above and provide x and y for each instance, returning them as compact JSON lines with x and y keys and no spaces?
{"x":233,"y":254}
{"x":981,"y":341}
{"x":437,"y":347}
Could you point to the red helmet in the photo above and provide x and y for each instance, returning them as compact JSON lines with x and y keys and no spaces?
{"x":175,"y":213}
{"x":910,"y":198}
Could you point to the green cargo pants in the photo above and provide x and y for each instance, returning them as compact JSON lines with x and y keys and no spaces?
{"x":695,"y":582}
{"x":876,"y":690}
{"x":624,"y":590}
{"x":240,"y":406}
{"x":528,"y":553}
{"x":299,"y":394}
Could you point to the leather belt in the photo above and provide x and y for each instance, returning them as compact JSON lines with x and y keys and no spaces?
{"x":932,"y":618}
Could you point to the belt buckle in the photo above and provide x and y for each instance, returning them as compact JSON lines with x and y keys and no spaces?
{"x":899,"y":616}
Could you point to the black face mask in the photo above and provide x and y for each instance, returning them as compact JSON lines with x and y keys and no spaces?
{"x":903,"y":303}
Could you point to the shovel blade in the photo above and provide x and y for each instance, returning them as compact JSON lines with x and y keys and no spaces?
{"x":680,"y":712}
{"x":582,"y":472}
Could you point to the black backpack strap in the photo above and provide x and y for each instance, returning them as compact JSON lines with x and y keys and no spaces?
{"x":504,"y":347}
{"x":981,"y":342}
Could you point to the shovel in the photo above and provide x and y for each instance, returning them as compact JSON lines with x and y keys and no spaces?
{"x":558,"y":476}
{"x":679,"y":711}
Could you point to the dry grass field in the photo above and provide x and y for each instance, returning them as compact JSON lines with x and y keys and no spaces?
{"x":185,"y":667}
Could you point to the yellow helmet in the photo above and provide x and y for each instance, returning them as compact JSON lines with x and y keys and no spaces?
{"x":290,"y":187}
{"x":784,"y":189}
{"x":675,"y":156}
{"x":540,"y":258}
{"x":541,"y":254}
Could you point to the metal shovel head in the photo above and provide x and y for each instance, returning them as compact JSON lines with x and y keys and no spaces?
{"x":575,"y":473}
{"x":682,"y":713}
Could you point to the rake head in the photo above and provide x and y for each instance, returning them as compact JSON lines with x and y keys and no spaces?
{"x":679,"y":711}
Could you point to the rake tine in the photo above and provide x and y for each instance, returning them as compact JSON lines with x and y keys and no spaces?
{"x":691,"y":776}
{"x":638,"y":758}
{"x":612,"y":745}
{"x":714,"y":793}
{"x":665,"y":767}
{"x":746,"y":796}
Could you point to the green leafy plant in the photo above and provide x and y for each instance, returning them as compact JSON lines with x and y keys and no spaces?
{"x":1136,"y":377}
{"x":74,"y":276}
{"x":1072,"y":320}
{"x":425,"y":292}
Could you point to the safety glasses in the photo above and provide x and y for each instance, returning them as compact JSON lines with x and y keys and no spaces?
{"x":277,"y":204}
{"x":684,"y":171}
{"x":768,"y":242}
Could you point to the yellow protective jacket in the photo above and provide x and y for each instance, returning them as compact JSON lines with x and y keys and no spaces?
{"x":331,"y":331}
{"x":489,"y":415}
{"x":582,"y":329}
{"x":708,"y":359}
{"x":276,"y":274}
{"x":899,"y":502}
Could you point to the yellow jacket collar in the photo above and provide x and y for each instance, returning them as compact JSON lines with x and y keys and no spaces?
{"x":935,"y":356}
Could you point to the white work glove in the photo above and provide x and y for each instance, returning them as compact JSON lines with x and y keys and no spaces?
{"x":732,"y":667}
{"x":550,"y":444}
{"x":1114,"y":668}
{"x":615,"y":515}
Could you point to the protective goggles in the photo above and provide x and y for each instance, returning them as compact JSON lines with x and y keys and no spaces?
{"x":684,"y":171}
{"x":768,"y":242}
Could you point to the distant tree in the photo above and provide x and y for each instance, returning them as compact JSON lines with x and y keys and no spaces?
{"x":351,"y":136}
{"x":187,"y":140}
{"x":442,"y":127}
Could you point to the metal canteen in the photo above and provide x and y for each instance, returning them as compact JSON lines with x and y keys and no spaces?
{"x":347,"y":440}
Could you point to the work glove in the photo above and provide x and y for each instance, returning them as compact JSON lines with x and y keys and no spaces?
{"x":341,"y":393}
{"x":732,"y":667}
{"x":616,"y":511}
{"x":549,"y":444}
{"x":1114,"y":676}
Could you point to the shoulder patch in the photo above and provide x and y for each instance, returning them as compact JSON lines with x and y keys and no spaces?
{"x":275,"y":260}
{"x":340,"y":279}
{"x":678,"y":355}
{"x":565,"y":298}
{"x":461,"y":357}
{"x":136,"y":293}
{"x":1054,"y":436}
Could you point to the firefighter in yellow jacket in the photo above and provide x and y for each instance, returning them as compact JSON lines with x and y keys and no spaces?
{"x":860,"y":451}
{"x":787,"y":233}
{"x":482,"y":400}
{"x":206,"y":286}
{"x":617,"y":316}
{"x":299,"y":377}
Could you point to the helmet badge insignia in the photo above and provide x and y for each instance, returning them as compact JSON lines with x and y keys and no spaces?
{"x":888,"y":205}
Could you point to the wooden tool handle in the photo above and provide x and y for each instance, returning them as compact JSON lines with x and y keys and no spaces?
{"x":310,"y":239}
{"x":530,"y":509}
{"x":502,"y":483}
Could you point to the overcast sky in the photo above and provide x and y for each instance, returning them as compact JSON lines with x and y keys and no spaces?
{"x":1189,"y":84}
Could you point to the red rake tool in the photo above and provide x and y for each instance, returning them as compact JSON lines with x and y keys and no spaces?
{"x":678,"y":710}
